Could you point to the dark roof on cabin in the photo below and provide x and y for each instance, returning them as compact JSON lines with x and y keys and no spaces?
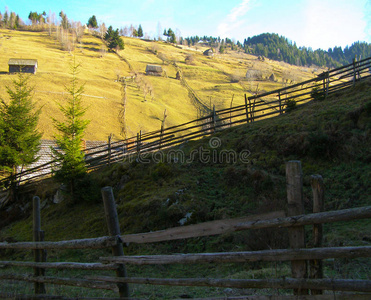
{"x":22,"y":62}
{"x":208,"y":52}
{"x":153,"y":68}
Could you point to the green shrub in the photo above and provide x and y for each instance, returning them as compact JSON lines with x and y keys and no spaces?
{"x":317,"y":94}
{"x":290,"y":105}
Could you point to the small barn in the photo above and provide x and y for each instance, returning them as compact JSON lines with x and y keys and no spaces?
{"x":273,"y":77}
{"x":17,"y":65}
{"x":154,"y":70}
{"x":209,"y":52}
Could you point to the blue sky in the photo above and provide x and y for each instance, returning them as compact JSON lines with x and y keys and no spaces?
{"x":310,"y":23}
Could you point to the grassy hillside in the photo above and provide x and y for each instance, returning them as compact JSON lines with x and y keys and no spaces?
{"x":215,"y":80}
{"x":330,"y":137}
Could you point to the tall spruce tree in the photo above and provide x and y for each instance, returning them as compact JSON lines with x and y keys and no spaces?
{"x":92,"y":22}
{"x":113,"y":39}
{"x":20,"y":140}
{"x":71,"y":130}
{"x":140,"y":31}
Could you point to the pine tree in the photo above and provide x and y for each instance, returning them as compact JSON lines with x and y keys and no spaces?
{"x":114,"y":40}
{"x":92,"y":22}
{"x":109,"y":34}
{"x":171,"y":36}
{"x":70,"y":154}
{"x":64,"y":22}
{"x":20,"y":140}
{"x":140,"y":31}
{"x":6,"y":18}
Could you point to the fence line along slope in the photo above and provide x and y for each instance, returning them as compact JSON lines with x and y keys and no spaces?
{"x":255,"y":108}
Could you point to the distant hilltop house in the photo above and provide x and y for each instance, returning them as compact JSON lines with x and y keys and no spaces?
{"x":154,"y":70}
{"x":17,"y":65}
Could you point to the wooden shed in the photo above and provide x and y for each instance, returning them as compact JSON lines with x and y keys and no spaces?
{"x":17,"y":65}
{"x":209,"y":52}
{"x":154,"y":70}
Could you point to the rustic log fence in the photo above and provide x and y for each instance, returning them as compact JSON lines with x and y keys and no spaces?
{"x":256,"y":107}
{"x":302,"y":282}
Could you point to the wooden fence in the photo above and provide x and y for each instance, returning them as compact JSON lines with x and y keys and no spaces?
{"x":305,"y":285}
{"x":256,"y":107}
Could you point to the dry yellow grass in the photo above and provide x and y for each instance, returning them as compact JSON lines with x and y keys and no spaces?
{"x":211,"y":78}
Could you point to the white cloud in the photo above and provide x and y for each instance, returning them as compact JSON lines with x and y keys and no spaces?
{"x":234,"y":19}
{"x":239,"y":11}
{"x":332,"y":23}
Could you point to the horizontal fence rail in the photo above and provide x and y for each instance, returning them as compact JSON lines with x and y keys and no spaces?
{"x":247,"y":256}
{"x":256,"y":107}
{"x":269,"y":220}
{"x":285,"y":283}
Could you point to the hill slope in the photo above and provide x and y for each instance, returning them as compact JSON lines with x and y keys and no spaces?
{"x":215,"y":80}
{"x":330,"y":137}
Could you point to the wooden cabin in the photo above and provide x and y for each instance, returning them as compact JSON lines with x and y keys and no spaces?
{"x":154,"y":70}
{"x":209,"y":52}
{"x":17,"y":65}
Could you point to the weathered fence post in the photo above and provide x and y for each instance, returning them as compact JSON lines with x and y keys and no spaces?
{"x":230,"y":112}
{"x":161,"y":136}
{"x":354,"y":71}
{"x":38,"y":236}
{"x":324,"y":83}
{"x":279,"y":102}
{"x":109,"y":149}
{"x":114,"y":230}
{"x":327,"y":83}
{"x":295,"y":206}
{"x":247,"y":110}
{"x":316,"y":269}
{"x":162,"y":129}
{"x":139,"y":137}
{"x":214,"y":118}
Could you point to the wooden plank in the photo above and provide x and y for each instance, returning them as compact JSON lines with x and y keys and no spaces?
{"x":93,"y":243}
{"x":270,"y":220}
{"x":86,"y":283}
{"x":197,"y":230}
{"x":310,"y":219}
{"x":59,"y":265}
{"x":284,"y":283}
{"x":245,"y":256}
{"x":295,"y":206}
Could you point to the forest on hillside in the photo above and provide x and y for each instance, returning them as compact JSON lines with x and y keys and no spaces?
{"x":280,"y":48}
